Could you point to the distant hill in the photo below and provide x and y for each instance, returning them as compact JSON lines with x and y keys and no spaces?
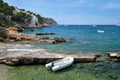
{"x":13,"y":16}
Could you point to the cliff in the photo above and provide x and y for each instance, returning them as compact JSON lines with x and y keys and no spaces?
{"x":13,"y":16}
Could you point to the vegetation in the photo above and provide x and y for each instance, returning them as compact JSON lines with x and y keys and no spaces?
{"x":5,"y":8}
{"x":21,"y":17}
{"x":40,"y":19}
{"x":8,"y":18}
{"x":2,"y":19}
{"x":3,"y":33}
{"x":5,"y":12}
{"x":50,"y":21}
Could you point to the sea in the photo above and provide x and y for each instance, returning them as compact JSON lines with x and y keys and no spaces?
{"x":84,"y":39}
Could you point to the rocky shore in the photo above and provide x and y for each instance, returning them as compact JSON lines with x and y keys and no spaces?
{"x":14,"y":36}
{"x":34,"y":38}
{"x":25,"y":54}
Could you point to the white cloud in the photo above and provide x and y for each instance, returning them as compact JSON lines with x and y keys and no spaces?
{"x":111,"y":6}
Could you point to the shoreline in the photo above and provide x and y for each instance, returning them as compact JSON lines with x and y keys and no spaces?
{"x":83,"y":70}
{"x":20,"y":54}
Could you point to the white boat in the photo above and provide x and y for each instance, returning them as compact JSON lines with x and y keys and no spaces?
{"x":94,"y":25}
{"x":100,"y":31}
{"x":66,"y":25}
{"x":60,"y":64}
{"x":118,"y":24}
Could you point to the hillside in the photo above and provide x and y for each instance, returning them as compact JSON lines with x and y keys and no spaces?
{"x":13,"y":16}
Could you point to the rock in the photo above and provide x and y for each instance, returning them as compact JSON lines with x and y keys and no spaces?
{"x":49,"y":22}
{"x":1,"y":39}
{"x":44,"y":38}
{"x":12,"y":37}
{"x":98,"y":55}
{"x":26,"y":60}
{"x":59,"y":40}
{"x":11,"y":61}
{"x":45,"y":33}
{"x":20,"y":29}
{"x":27,"y":55}
{"x":18,"y":39}
{"x":32,"y":30}
{"x":53,"y":41}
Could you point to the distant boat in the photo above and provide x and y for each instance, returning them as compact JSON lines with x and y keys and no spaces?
{"x":60,"y":64}
{"x":66,"y":25}
{"x":100,"y":31}
{"x":118,"y":24}
{"x":94,"y":25}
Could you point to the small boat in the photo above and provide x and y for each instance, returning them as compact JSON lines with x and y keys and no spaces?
{"x":66,"y":25}
{"x":118,"y":24}
{"x":100,"y":31}
{"x":60,"y":64}
{"x":94,"y":25}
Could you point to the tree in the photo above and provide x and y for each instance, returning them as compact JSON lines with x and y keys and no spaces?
{"x":5,"y":8}
{"x":3,"y":33}
{"x":40,"y":19}
{"x":21,"y":17}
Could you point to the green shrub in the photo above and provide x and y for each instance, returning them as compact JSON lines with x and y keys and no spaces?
{"x":5,"y":8}
{"x":21,"y":17}
{"x":3,"y":33}
{"x":40,"y":19}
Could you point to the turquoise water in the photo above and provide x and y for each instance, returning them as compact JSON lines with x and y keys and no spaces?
{"x":91,"y":71}
{"x":83,"y":38}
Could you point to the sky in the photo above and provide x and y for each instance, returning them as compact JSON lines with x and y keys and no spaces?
{"x":73,"y":11}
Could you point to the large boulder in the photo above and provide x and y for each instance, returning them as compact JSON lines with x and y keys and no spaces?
{"x":1,"y":39}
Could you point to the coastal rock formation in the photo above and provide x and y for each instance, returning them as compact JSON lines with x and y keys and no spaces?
{"x":34,"y":38}
{"x":24,"y":54}
{"x":14,"y":35}
{"x":53,"y":41}
{"x":48,"y":33}
{"x":20,"y":18}
{"x":50,"y":21}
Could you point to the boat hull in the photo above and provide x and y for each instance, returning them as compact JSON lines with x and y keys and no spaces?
{"x":60,"y":64}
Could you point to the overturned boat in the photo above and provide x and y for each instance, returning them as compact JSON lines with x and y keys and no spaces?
{"x":60,"y":64}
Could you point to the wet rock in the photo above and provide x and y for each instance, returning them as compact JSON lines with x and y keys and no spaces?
{"x":44,"y":38}
{"x":1,"y":39}
{"x":12,"y":37}
{"x":20,"y":29}
{"x":26,"y":60}
{"x":32,"y":30}
{"x":59,"y":40}
{"x":45,"y":33}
